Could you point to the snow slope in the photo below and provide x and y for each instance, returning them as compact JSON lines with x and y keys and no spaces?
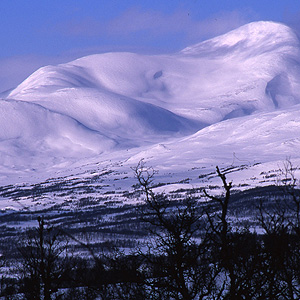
{"x":236,"y":95}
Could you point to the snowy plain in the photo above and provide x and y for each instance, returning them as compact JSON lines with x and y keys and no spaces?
{"x":232,"y":101}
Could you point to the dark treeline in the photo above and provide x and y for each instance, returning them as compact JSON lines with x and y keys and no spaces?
{"x":194,"y":251}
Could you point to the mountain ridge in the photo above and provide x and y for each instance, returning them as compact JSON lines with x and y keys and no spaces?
{"x":103,"y":103}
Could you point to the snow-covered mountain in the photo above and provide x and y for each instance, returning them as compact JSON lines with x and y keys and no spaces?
{"x":232,"y":98}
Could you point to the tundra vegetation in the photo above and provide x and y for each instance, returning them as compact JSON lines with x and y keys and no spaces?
{"x":208,"y":248}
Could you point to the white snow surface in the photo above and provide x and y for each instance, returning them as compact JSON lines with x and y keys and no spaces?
{"x":234,"y":99}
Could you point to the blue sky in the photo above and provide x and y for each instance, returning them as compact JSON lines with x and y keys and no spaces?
{"x":39,"y":32}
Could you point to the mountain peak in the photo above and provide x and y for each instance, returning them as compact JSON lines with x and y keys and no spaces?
{"x":263,"y":35}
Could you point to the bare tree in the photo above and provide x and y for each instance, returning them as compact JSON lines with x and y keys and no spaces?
{"x":43,"y":261}
{"x":289,"y":184}
{"x":237,"y":252}
{"x":178,"y":263}
{"x":280,"y":220}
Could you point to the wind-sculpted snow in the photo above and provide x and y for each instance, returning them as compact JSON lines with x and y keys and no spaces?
{"x":250,"y":40}
{"x":212,"y":93}
{"x":31,"y":135}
